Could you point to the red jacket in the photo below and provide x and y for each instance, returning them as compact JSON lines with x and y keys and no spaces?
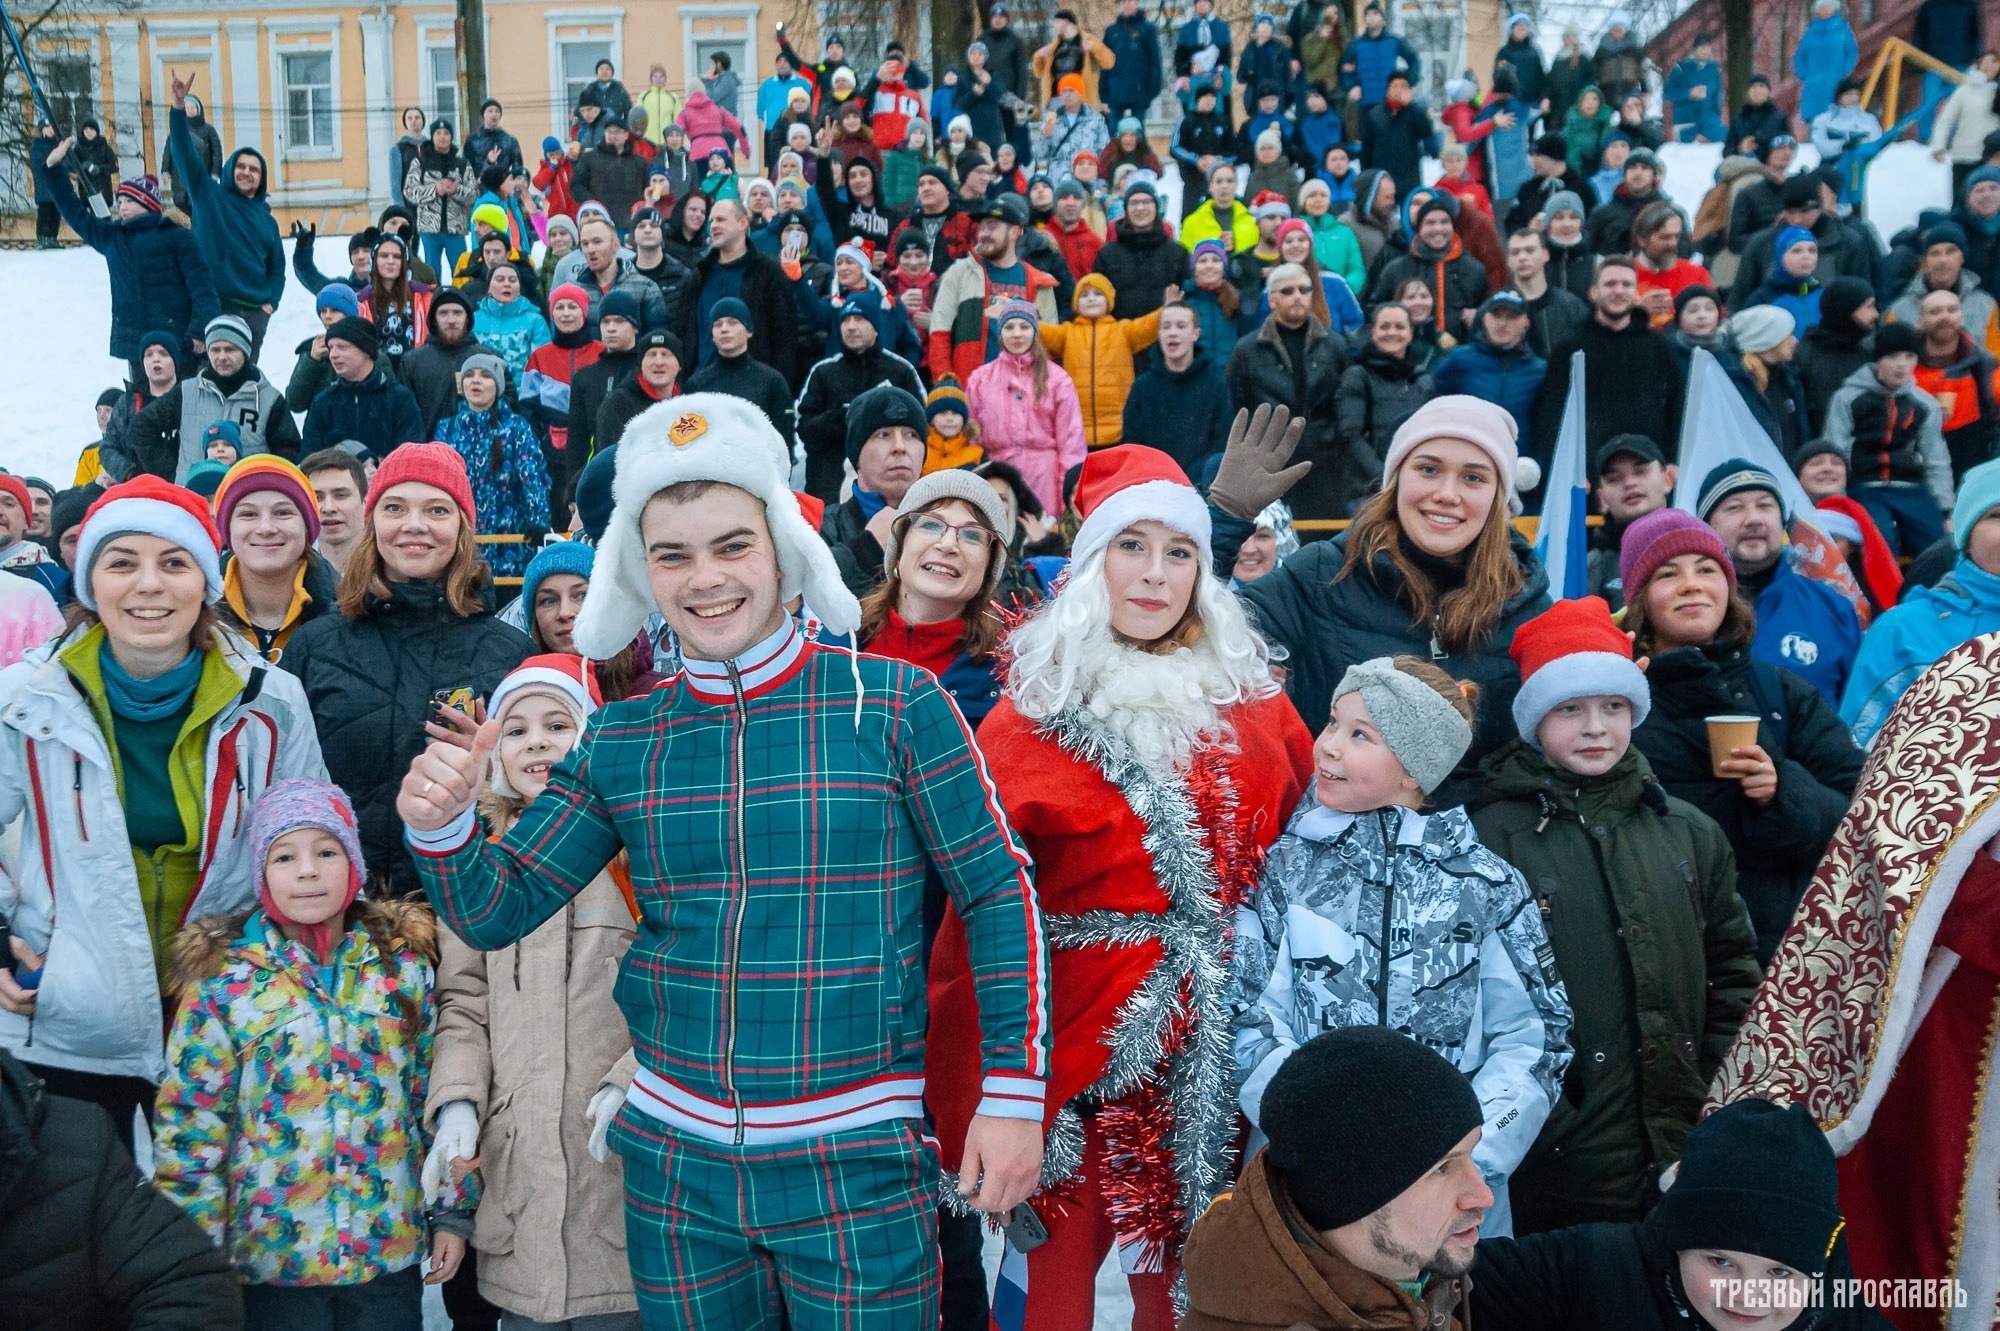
{"x":1079,"y":244}
{"x":890,"y":112}
{"x":1086,"y":844}
{"x":1460,"y":118}
{"x":553,"y":181}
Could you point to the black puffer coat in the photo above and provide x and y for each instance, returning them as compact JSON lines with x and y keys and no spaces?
{"x":1260,"y":371}
{"x":1377,"y":394}
{"x":1140,"y":265}
{"x":369,"y":683}
{"x":85,"y":1241}
{"x":1778,"y":845}
{"x":1327,"y":626}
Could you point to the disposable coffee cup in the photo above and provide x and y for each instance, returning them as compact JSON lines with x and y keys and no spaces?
{"x":1726,"y":733}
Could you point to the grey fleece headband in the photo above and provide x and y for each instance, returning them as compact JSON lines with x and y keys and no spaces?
{"x":1419,"y":725}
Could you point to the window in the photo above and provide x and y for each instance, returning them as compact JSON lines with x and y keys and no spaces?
{"x":309,"y":99}
{"x":443,"y":61}
{"x":66,"y":83}
{"x":579,"y":65}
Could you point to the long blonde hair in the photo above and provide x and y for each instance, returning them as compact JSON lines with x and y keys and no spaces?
{"x":366,"y":579}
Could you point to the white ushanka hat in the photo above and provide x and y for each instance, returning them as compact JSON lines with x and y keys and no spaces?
{"x":701,"y":437}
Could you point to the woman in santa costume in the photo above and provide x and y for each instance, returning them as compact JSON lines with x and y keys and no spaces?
{"x":1881,"y":1010}
{"x":1147,"y":756}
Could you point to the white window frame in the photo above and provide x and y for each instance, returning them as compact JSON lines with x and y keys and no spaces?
{"x":562,"y":29}
{"x":206,"y":64}
{"x":747,"y":78}
{"x":327,"y":33}
{"x":436,"y":35}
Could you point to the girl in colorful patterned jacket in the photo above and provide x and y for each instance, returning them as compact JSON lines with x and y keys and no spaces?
{"x":1373,"y":912}
{"x":290,"y":1121}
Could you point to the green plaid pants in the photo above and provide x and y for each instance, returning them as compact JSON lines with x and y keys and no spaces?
{"x":841,"y":1228}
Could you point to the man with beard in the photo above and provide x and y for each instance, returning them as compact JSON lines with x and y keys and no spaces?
{"x":1364,"y":1209}
{"x":960,"y":337}
{"x":1456,"y":279}
{"x":1803,"y":625}
{"x":733,"y":267}
{"x":1958,"y":373}
{"x":1633,"y":383}
{"x":431,"y":371}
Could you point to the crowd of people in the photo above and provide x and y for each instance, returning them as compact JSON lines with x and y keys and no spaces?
{"x":727,"y":730}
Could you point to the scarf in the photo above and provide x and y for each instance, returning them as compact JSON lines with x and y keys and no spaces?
{"x":153,"y":699}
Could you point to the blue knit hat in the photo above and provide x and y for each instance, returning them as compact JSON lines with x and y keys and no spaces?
{"x":551,"y":144}
{"x":1978,"y":495}
{"x":1790,"y":236}
{"x":159,"y":337}
{"x":338,"y":296}
{"x":574,"y":557}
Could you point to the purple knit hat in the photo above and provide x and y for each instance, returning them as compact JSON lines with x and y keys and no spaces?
{"x":1665,"y":534}
{"x":287,"y":807}
{"x":1214,"y":247}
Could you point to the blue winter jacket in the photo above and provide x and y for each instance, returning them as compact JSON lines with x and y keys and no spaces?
{"x":511,"y":331}
{"x":238,"y":237}
{"x":158,"y":277}
{"x":1788,"y":293}
{"x":379,"y":412}
{"x":1687,"y":75}
{"x":1370,"y":61}
{"x":1508,"y":378}
{"x":1507,"y":164}
{"x":1909,"y":639}
{"x":1134,"y":80}
{"x":1316,"y":135}
{"x":1808,"y":628}
{"x":1825,"y":55}
{"x":1219,"y":332}
{"x":1270,"y":62}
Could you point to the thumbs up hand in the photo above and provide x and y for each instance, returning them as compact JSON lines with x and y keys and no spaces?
{"x":446,"y":778}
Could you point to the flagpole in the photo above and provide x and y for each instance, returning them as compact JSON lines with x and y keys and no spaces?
{"x":27,"y":70}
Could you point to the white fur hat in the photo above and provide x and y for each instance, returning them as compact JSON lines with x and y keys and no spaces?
{"x":701,"y":437}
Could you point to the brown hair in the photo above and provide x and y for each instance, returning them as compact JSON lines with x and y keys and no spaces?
{"x":983,"y":629}
{"x":1226,"y":295}
{"x":1465,"y":616}
{"x":1738,"y":627}
{"x":336,"y":459}
{"x":382,"y":300}
{"x":1462,"y":694}
{"x":366,"y":580}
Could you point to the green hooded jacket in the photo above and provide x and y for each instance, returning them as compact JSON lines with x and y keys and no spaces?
{"x":1638,"y":892}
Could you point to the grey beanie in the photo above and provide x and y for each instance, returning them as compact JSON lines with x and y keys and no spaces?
{"x":229,"y":328}
{"x":1419,"y":724}
{"x":941,"y":485}
{"x":1563,"y":201}
{"x":490,"y":363}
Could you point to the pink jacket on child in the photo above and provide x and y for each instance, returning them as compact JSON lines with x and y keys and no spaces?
{"x":1042,"y":437}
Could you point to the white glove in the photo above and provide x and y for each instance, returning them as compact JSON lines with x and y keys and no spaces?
{"x":603,"y":1107}
{"x":457,"y":1138}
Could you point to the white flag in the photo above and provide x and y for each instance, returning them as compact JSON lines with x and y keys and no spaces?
{"x":1562,"y":540}
{"x":1717,"y":426}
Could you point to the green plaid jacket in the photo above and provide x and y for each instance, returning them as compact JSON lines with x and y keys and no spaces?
{"x":779,"y":841}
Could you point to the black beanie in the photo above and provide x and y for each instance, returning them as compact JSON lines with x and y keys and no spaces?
{"x":1355,"y":1116}
{"x":881,"y":406}
{"x":593,"y":493}
{"x":1754,"y":1178}
{"x":1839,"y":299}
{"x":1698,"y":291}
{"x":358,"y":333}
{"x":1891,"y":338}
{"x":68,"y":509}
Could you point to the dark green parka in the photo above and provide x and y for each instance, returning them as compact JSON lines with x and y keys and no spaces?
{"x":1638,"y":892}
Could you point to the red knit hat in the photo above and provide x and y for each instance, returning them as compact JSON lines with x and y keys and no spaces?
{"x":152,"y":507}
{"x":431,"y":464}
{"x":1132,"y":483}
{"x":1591,"y":657}
{"x":17,"y":487}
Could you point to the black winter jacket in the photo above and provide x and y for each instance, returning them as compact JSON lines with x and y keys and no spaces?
{"x":856,"y":552}
{"x":430,"y":372}
{"x":1825,"y":358}
{"x":1534,"y":197}
{"x":1457,"y":283}
{"x":748,"y":378}
{"x":1185,"y":413}
{"x":85,"y":1240}
{"x":1394,"y":141}
{"x":768,"y":294}
{"x":158,"y":277}
{"x":1593,"y":1277}
{"x":1377,"y":394}
{"x":1140,"y":265}
{"x":587,"y":392}
{"x":1328,"y":625}
{"x":822,"y":408}
{"x":1842,"y":253}
{"x":626,"y":401}
{"x":1777,"y":845}
{"x":369,"y":682}
{"x":378,"y":411}
{"x":1260,"y":371}
{"x":1608,"y":230}
{"x":1633,"y":385}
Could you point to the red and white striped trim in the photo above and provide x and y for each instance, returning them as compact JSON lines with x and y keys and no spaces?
{"x":1012,"y":1095}
{"x":760,"y":665}
{"x":775,"y":1122}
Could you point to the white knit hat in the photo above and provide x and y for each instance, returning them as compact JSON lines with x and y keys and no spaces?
{"x":701,"y":437}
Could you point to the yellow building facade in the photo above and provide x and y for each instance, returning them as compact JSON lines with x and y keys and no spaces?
{"x":319,"y":88}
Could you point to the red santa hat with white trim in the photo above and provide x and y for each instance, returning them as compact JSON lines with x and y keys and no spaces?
{"x":149,"y":506}
{"x":566,"y":678}
{"x":1574,"y":650}
{"x":1133,"y":483}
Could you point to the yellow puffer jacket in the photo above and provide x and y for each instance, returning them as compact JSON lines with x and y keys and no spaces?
{"x":1099,"y":354}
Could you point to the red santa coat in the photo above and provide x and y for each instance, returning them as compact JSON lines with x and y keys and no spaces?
{"x":1086,"y":843}
{"x":1881,"y":1011}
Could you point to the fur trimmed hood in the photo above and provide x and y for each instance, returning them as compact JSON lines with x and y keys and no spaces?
{"x":202,"y":947}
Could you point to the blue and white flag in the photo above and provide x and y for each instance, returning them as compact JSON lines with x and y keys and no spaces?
{"x":1562,"y":540}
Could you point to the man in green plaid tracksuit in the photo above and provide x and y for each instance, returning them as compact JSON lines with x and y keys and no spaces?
{"x":781,"y":802}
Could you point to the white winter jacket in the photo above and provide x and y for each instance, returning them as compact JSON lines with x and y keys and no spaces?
{"x":1965,"y":119}
{"x":72,"y":892}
